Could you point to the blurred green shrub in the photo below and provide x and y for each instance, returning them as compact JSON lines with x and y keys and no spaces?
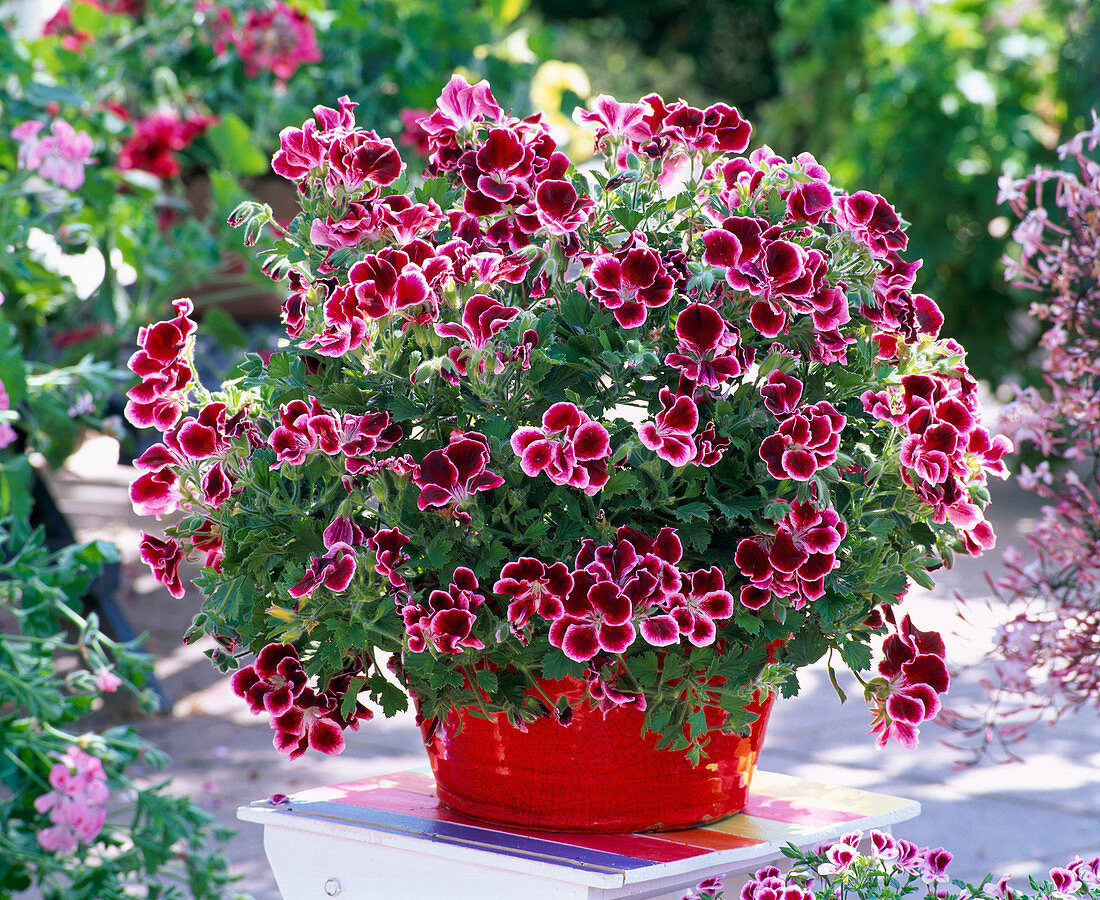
{"x":928,"y":103}
{"x":702,"y":50}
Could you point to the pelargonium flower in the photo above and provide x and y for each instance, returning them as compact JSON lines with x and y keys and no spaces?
{"x":570,"y":448}
{"x":305,"y":427}
{"x":164,"y":367}
{"x":364,"y":436}
{"x":389,"y":283}
{"x":455,"y":473}
{"x":631,"y":281}
{"x":312,"y":721}
{"x":335,"y":568}
{"x":59,"y":157}
{"x":804,"y":443}
{"x":277,"y":40}
{"x":501,"y":168}
{"x":535,"y":588}
{"x":163,"y":556}
{"x":447,"y":622}
{"x":156,"y":492}
{"x":669,"y":435}
{"x":781,"y":394}
{"x":794,"y":560}
{"x":304,"y":150}
{"x":872,"y":220}
{"x":482,"y":318}
{"x":709,"y":447}
{"x":77,"y":803}
{"x":616,"y":120}
{"x":912,"y":675}
{"x":702,"y":599}
{"x":388,"y":546}
{"x":709,"y":350}
{"x":273,"y":682}
{"x":558,"y":208}
{"x":359,"y":158}
{"x":601,"y":677}
{"x":597,"y":616}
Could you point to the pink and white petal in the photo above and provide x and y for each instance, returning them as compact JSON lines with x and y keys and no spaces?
{"x":616,"y":638}
{"x":660,"y":631}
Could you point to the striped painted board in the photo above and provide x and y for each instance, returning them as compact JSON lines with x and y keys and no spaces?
{"x":402,"y":809}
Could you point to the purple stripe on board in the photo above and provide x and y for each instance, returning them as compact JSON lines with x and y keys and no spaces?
{"x":463,"y":835}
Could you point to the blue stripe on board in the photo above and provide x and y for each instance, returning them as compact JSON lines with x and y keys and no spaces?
{"x":502,"y":842}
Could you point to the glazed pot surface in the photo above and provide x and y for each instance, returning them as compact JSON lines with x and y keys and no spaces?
{"x":595,"y":775}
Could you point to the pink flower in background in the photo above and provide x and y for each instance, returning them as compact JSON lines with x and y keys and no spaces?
{"x":107,"y":681}
{"x":58,"y":157}
{"x":7,"y":432}
{"x":277,"y":40}
{"x":414,"y":135}
{"x":77,"y":803}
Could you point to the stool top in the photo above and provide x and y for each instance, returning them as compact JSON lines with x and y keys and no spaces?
{"x":402,"y":807}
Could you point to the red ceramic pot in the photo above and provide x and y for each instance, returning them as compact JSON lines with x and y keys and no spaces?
{"x":596,"y":774}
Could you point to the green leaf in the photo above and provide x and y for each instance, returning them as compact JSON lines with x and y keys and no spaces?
{"x":686,"y":512}
{"x":556,"y":664}
{"x":233,"y":142}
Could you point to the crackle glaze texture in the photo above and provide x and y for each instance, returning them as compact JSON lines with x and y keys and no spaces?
{"x":596,"y":774}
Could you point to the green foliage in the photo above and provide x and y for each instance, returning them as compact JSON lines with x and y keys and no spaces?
{"x":157,"y":843}
{"x":927,"y":104}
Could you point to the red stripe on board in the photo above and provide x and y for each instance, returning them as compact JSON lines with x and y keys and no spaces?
{"x":795,"y":811}
{"x":710,"y":839}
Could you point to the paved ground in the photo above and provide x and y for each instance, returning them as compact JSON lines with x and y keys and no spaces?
{"x":1018,"y":819}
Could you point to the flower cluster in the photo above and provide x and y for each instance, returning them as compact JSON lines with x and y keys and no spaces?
{"x":878,"y":866}
{"x":277,"y":39}
{"x":1047,"y":657}
{"x":154,"y":141}
{"x":59,"y":156}
{"x":77,"y":805}
{"x":301,"y":717}
{"x":669,"y":428}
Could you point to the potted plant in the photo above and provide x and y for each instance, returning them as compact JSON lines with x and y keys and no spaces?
{"x":573,"y":457}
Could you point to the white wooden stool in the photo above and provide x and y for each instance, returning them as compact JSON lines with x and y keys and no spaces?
{"x":389,"y":837}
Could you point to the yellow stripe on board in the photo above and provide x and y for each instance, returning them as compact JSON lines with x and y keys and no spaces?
{"x":824,"y":796}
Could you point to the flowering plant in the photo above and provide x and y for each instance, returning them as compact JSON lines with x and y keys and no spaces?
{"x":878,"y":866}
{"x":674,"y":426}
{"x":1047,"y":656}
{"x":79,"y":817}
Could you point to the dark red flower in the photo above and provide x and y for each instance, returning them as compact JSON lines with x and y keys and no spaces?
{"x":534,"y":588}
{"x":164,"y":558}
{"x":669,"y":435}
{"x":455,"y":473}
{"x":273,"y":682}
{"x":447,"y":622}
